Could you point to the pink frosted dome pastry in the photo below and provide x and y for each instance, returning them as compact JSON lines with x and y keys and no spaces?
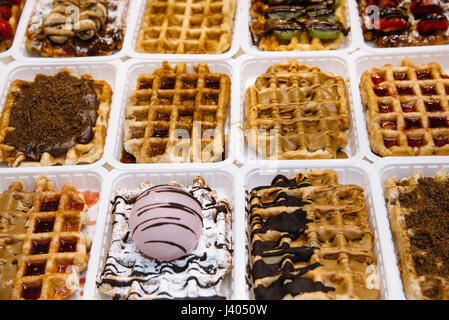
{"x":166,"y":222}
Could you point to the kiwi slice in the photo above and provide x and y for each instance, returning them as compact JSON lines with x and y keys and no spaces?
{"x":287,"y":34}
{"x":324,"y":34}
{"x":284,"y":15}
{"x":336,"y":4}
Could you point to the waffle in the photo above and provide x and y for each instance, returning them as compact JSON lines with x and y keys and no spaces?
{"x":310,"y":239}
{"x":176,"y":116}
{"x":407,"y":109}
{"x":16,"y":12}
{"x":78,"y":154}
{"x":262,"y":25}
{"x":408,"y":33}
{"x":295,"y":111}
{"x":76,"y":28}
{"x":201,"y":273}
{"x":41,"y":244}
{"x":186,"y":27}
{"x":418,"y":213}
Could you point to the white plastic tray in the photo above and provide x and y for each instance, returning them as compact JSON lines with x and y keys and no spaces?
{"x":347,"y":45}
{"x":20,"y":52}
{"x":91,"y":179}
{"x":250,"y":68}
{"x":360,"y":62}
{"x":360,"y":174}
{"x":107,"y":71}
{"x":221,"y":180}
{"x":225,"y":55}
{"x":8,"y":53}
{"x":132,"y":69}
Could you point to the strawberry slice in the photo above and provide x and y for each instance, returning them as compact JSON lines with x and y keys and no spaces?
{"x":384,"y":3}
{"x":392,"y":25}
{"x":425,"y":7}
{"x":5,"y":29}
{"x":432,"y":24}
{"x":5,"y":12}
{"x":16,"y":2}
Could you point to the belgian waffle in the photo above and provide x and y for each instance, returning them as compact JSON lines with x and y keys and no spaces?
{"x":79,"y":153}
{"x":407,"y":109}
{"x":262,"y":25}
{"x":176,"y":116}
{"x":310,"y":239}
{"x":76,"y":28}
{"x":16,"y":12}
{"x":190,"y":26}
{"x":43,"y":236}
{"x":295,"y":111}
{"x":418,"y":213}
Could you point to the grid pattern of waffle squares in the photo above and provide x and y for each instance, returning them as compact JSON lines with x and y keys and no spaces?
{"x":176,"y":116}
{"x":186,"y":26}
{"x":295,"y":111}
{"x":407,"y":109}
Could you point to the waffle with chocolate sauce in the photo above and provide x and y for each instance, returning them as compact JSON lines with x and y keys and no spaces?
{"x":41,"y":232}
{"x":407,"y":109}
{"x":177,"y":116}
{"x":76,"y":28}
{"x":418,"y":210}
{"x":286,"y":25}
{"x":296,"y":111}
{"x":399,"y":23}
{"x":71,"y":130}
{"x":187,"y":27}
{"x":310,"y":238}
{"x":13,"y":21}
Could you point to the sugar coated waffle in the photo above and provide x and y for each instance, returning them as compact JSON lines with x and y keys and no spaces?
{"x":285,"y":25}
{"x":310,"y":238}
{"x":418,"y":210}
{"x":80,"y":153}
{"x":44,"y":238}
{"x":407,"y":109}
{"x":13,"y":21}
{"x":186,"y":27}
{"x":177,"y":116}
{"x":295,"y":111}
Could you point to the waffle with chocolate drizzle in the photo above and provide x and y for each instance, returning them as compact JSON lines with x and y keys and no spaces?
{"x":310,"y":238}
{"x":407,"y":109}
{"x":287,"y":25}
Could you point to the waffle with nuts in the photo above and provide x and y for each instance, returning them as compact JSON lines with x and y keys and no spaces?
{"x":305,"y":25}
{"x":177,"y":116}
{"x":310,"y":238}
{"x":418,"y":211}
{"x":296,"y":111}
{"x":28,"y":120}
{"x":393,"y":23}
{"x":10,"y":12}
{"x":407,"y":109}
{"x":41,"y":231}
{"x":76,"y":28}
{"x":186,"y":27}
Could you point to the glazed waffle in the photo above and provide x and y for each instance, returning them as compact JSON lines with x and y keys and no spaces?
{"x":418,"y":213}
{"x":76,"y":28}
{"x":304,"y":42}
{"x":295,"y":111}
{"x":186,"y":27}
{"x":16,"y":12}
{"x":78,"y":154}
{"x":176,"y":116}
{"x":310,"y":239}
{"x":407,"y":109}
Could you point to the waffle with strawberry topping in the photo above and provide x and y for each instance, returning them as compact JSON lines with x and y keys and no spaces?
{"x":394,"y":23}
{"x":10,"y":12}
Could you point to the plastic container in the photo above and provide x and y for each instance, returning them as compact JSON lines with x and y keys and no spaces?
{"x":221,"y":180}
{"x":360,"y":174}
{"x":234,"y":48}
{"x":20,"y":52}
{"x":346,"y":46}
{"x":252,"y":67}
{"x":131,"y":71}
{"x":83,"y":180}
{"x":360,"y":62}
{"x":7,"y":53}
{"x":405,"y":168}
{"x":107,"y":71}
